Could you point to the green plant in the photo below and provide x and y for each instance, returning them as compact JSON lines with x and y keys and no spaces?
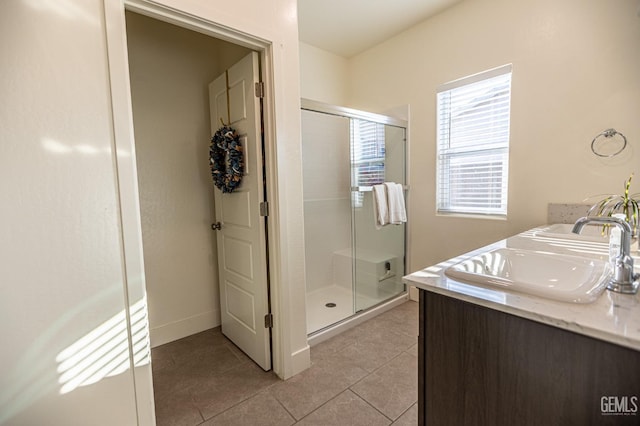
{"x":615,"y":203}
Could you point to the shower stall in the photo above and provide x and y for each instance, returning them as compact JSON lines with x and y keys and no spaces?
{"x":352,"y":266}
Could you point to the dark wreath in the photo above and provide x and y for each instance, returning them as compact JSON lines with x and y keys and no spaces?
{"x":226,"y":159}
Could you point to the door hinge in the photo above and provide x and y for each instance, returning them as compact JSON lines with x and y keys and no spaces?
{"x":259,"y":89}
{"x":264,"y":208}
{"x":268,"y":320}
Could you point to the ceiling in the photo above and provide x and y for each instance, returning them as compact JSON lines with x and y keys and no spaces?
{"x":348,"y":27}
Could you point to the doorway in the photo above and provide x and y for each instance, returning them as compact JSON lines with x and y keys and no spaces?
{"x":170,"y":71}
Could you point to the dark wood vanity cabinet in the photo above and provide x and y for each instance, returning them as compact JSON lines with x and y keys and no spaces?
{"x":479,"y":366}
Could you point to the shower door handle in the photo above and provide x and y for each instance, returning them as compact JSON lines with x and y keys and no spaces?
{"x":216,"y":226}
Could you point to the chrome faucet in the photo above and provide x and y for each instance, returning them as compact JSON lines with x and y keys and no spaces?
{"x":623,"y":279}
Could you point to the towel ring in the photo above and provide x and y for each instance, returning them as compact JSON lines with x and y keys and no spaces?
{"x":608,"y":134}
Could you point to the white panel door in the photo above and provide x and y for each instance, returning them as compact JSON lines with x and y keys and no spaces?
{"x":241,"y":240}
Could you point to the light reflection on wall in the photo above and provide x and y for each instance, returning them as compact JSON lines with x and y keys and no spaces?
{"x":104,"y":351}
{"x":65,"y":9}
{"x":57,"y":147}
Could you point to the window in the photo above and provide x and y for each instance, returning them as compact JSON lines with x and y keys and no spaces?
{"x":367,"y":155}
{"x":473,"y":143}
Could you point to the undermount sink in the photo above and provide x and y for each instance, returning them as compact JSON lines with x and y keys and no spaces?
{"x":554,"y":276}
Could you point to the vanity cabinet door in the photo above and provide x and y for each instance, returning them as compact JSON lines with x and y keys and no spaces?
{"x":478,"y":366}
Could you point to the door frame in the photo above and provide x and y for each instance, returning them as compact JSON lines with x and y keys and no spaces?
{"x":284,"y":362}
{"x":265,"y":51}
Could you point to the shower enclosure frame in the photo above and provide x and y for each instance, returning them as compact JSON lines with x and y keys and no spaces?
{"x":360,"y":316}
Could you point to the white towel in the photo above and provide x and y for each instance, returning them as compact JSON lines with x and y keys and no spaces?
{"x":395,"y":203}
{"x":380,"y":206}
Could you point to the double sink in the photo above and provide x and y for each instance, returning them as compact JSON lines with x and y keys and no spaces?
{"x":549,"y":262}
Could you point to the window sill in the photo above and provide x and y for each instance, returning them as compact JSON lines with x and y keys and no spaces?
{"x":472,"y":216}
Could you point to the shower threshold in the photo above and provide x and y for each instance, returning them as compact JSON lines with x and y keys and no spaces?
{"x":352,"y":320}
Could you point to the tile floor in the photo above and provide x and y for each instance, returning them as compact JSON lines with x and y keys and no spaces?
{"x":364,"y":376}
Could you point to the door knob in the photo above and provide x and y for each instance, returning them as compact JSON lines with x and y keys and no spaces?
{"x":216,"y":226}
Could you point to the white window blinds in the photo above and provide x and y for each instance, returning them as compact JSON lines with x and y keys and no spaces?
{"x":367,"y":155}
{"x":473,"y":143}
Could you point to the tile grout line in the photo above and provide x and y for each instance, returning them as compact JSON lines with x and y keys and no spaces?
{"x":241,"y":402}
{"x":238,"y":403}
{"x":374,"y":372}
{"x":331,"y":399}
{"x":369,"y":373}
{"x":394,"y":327}
{"x":295,"y":420}
{"x":405,"y":411}
{"x":371,"y":405}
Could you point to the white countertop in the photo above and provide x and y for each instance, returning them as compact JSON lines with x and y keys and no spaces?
{"x":613,"y":317}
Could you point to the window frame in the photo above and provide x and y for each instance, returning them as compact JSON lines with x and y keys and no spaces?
{"x":496,"y":153}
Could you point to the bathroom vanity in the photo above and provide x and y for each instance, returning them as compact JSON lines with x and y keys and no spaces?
{"x":495,"y":354}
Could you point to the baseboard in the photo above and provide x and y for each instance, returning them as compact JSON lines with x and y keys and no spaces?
{"x":300,"y":361}
{"x":182,"y":328}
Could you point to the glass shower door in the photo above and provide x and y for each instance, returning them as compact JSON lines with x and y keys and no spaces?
{"x":378,"y":155}
{"x":350,"y":264}
{"x":327,"y":219}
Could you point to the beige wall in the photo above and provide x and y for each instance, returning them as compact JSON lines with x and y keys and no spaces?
{"x":575,"y":73}
{"x":323,"y":75}
{"x":171,"y":68}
